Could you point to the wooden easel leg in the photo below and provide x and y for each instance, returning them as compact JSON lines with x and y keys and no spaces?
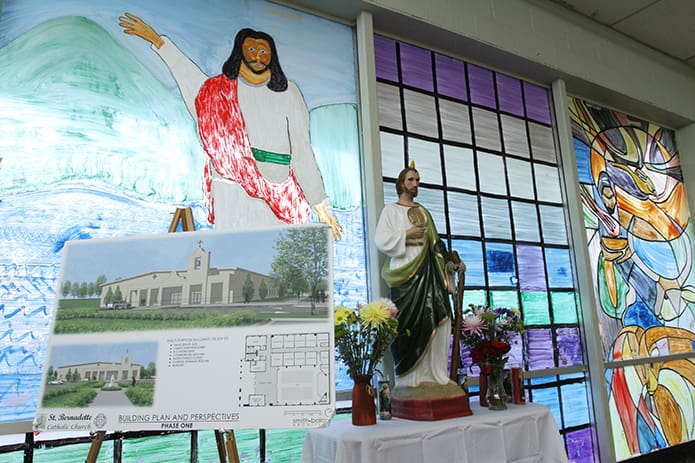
{"x":219,"y":440}
{"x":232,"y":450}
{"x":95,"y":447}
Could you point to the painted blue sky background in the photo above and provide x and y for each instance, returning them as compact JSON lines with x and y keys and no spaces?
{"x":85,"y":260}
{"x":195,"y":28}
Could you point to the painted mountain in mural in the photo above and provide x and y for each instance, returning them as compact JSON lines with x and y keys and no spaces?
{"x":75,"y":105}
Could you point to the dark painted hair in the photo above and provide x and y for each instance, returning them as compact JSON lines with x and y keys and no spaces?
{"x":401,"y":179}
{"x":230,"y":68}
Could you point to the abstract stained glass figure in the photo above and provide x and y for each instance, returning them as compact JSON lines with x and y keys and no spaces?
{"x":641,"y":247}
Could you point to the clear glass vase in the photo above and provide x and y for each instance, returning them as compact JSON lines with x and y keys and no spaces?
{"x":497,"y":397}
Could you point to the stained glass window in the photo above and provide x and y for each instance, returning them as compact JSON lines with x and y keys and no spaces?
{"x":638,"y":227}
{"x":483,"y":143}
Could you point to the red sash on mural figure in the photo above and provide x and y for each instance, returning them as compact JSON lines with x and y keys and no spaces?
{"x":222,"y":131}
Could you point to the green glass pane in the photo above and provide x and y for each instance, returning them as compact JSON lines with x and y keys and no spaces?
{"x":564,"y":306}
{"x":507,"y":299}
{"x":475,"y":297}
{"x":535,"y":307}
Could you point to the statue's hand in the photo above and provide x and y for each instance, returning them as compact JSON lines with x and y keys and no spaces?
{"x":132,"y":25}
{"x":325,"y":216}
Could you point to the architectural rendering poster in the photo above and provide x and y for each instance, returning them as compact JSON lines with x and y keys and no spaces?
{"x":196,"y":330}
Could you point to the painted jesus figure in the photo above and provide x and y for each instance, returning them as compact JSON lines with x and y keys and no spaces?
{"x":253,"y":124}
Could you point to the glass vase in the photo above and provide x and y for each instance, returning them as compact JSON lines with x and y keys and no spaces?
{"x":496,"y":394}
{"x":363,"y":403}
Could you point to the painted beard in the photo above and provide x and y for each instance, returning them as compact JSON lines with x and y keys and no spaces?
{"x":249,"y":64}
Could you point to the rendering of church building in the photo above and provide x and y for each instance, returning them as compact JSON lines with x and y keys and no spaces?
{"x":198,"y":284}
{"x":103,"y":371}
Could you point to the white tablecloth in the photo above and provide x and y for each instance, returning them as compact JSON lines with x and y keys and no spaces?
{"x":521,"y":434}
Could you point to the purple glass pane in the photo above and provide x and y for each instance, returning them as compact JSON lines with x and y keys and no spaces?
{"x":482,"y":86}
{"x":509,"y":95}
{"x":540,"y":349}
{"x":569,"y":347}
{"x":531,"y":268}
{"x":451,"y":77}
{"x":385,"y":57}
{"x":537,"y":103}
{"x":580,"y":448}
{"x":416,"y":67}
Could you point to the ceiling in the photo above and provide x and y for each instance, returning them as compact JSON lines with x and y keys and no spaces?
{"x":664,"y":25}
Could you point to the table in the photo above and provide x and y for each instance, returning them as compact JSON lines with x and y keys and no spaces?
{"x":522,"y":434}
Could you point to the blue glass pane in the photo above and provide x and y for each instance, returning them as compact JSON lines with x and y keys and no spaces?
{"x":463,"y":214}
{"x":549,"y":398}
{"x":501,"y":268}
{"x":496,"y":221}
{"x":559,"y":267}
{"x":390,"y":195}
{"x":471,"y":253}
{"x":575,"y":404}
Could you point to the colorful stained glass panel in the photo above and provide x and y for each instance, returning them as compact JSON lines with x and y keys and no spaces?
{"x":540,"y":348}
{"x":564,"y":307}
{"x":537,"y":103}
{"x":501,"y":267}
{"x":559,"y":268}
{"x":535,"y":308}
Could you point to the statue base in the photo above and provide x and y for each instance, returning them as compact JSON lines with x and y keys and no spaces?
{"x":430,"y":402}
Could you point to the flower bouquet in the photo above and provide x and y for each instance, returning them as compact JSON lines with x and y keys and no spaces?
{"x":488,"y":333}
{"x":362,"y":335}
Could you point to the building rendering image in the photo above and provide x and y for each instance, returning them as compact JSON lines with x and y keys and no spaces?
{"x":102,"y":371}
{"x":196,"y":284}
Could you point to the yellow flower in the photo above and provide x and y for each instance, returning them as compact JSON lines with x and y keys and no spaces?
{"x":375,"y":314}
{"x":341,"y":314}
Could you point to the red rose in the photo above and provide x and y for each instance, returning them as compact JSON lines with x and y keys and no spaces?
{"x":500,"y":346}
{"x":477,"y":356}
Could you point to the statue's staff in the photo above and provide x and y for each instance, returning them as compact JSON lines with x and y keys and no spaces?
{"x":459,"y":268}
